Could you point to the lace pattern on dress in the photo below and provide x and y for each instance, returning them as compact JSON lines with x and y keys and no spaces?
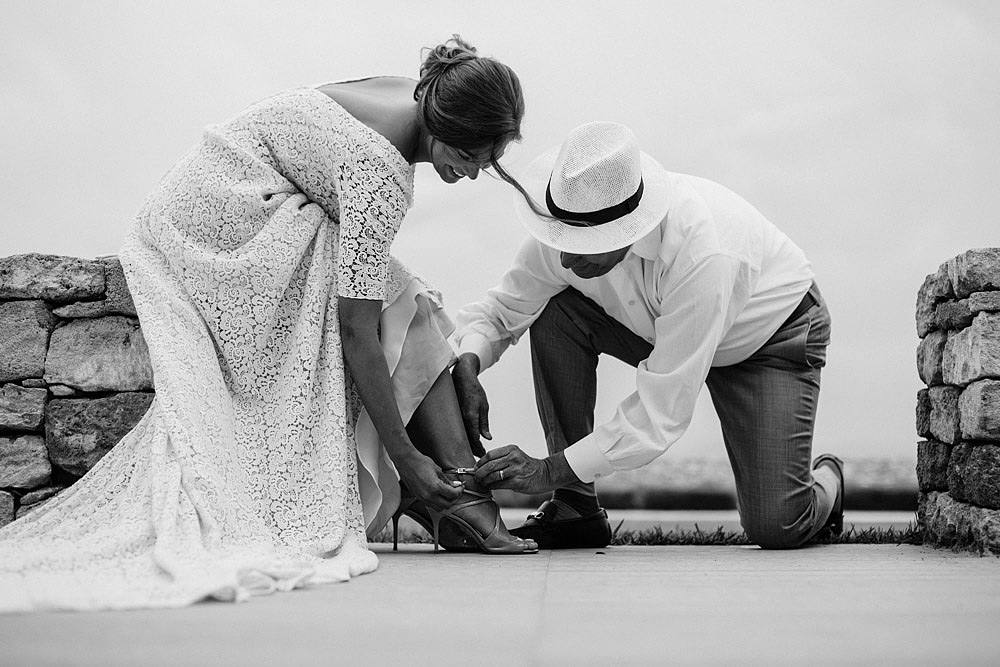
{"x":243,"y":476}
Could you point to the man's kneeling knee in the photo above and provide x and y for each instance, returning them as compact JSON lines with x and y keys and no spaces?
{"x":776,"y":536}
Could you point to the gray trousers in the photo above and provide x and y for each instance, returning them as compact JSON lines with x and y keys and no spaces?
{"x":766,"y":405}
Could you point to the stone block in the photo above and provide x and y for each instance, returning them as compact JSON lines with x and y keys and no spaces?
{"x":935,"y":289}
{"x":923,"y":413}
{"x":34,"y":383}
{"x":117,"y":299}
{"x":79,"y":431}
{"x":930,"y":353}
{"x":950,"y":315}
{"x":40,"y":495}
{"x":945,"y":418}
{"x":117,"y":293}
{"x":62,"y":391}
{"x":106,"y":354}
{"x":82,"y":309}
{"x":37,"y":499}
{"x":947,"y":522}
{"x":6,"y":508}
{"x":974,"y":474}
{"x":50,"y":277}
{"x":21,"y":409}
{"x":973,"y":353}
{"x":976,"y":270}
{"x":932,"y":465}
{"x":24,"y":336}
{"x":979,"y":406}
{"x":24,"y":462}
{"x":984,"y":301}
{"x":958,"y":459}
{"x":34,"y":500}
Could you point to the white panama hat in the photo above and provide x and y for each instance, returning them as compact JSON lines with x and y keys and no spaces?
{"x":605,"y":192}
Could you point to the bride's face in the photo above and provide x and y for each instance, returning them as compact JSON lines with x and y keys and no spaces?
{"x":453,"y":164}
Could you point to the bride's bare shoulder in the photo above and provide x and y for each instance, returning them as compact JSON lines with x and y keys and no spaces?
{"x":384,"y":103}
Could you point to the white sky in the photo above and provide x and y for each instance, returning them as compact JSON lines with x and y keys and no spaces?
{"x":868,"y":131}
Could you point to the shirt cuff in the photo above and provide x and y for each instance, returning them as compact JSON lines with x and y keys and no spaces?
{"x":587,"y":460}
{"x":479,"y":345}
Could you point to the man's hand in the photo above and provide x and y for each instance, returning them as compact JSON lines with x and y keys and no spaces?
{"x":427,"y":482}
{"x":472,"y":401}
{"x":508,"y":467}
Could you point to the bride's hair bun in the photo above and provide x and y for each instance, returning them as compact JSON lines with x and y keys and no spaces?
{"x":440,"y":59}
{"x":467,"y":101}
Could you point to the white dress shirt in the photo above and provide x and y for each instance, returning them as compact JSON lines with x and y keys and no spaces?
{"x":707,"y":287}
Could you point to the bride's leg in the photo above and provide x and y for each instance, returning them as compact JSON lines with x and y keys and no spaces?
{"x":436,"y":427}
{"x":437,"y":430}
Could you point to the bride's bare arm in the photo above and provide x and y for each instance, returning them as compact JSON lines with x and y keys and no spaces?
{"x":359,"y":336}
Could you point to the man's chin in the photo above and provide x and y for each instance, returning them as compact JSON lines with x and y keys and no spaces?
{"x":592,"y":273}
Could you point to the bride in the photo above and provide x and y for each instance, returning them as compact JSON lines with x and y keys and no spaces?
{"x":301,"y":371}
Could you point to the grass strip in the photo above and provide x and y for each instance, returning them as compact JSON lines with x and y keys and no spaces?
{"x":656,"y":536}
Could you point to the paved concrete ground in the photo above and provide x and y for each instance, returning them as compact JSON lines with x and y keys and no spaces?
{"x":827,"y":605}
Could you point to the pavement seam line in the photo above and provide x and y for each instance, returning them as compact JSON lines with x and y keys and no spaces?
{"x":539,"y":626}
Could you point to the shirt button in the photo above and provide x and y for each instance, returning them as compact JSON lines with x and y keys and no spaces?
{"x":649,"y":339}
{"x":596,"y":475}
{"x":631,"y":302}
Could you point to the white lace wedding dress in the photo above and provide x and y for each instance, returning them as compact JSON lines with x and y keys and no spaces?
{"x":256,"y":468}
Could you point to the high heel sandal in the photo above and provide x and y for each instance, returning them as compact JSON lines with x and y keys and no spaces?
{"x":490,"y":543}
{"x":414,"y":508}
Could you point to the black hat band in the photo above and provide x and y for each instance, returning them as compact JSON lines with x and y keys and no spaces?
{"x":592,"y":218}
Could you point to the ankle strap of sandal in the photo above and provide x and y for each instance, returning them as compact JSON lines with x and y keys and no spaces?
{"x":482,"y":496}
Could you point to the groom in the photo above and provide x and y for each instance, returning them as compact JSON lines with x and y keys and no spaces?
{"x":691,"y":285}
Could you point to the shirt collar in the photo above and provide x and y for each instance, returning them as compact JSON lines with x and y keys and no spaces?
{"x":648,"y":247}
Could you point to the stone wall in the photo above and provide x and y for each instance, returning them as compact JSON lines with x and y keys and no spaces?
{"x":958,"y":414}
{"x":74,"y":372}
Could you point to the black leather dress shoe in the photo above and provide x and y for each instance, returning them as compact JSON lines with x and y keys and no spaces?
{"x":835,"y":524}
{"x":584,"y":532}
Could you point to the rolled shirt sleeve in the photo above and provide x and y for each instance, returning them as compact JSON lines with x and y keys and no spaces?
{"x":697,"y":310}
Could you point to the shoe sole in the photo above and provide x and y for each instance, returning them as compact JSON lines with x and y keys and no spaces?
{"x":835,"y":524}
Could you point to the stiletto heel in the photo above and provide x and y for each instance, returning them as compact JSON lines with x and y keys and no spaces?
{"x":490,"y":543}
{"x":404,"y":508}
{"x":414,"y":508}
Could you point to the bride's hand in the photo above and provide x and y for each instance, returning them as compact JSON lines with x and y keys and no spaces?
{"x":427,"y":482}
